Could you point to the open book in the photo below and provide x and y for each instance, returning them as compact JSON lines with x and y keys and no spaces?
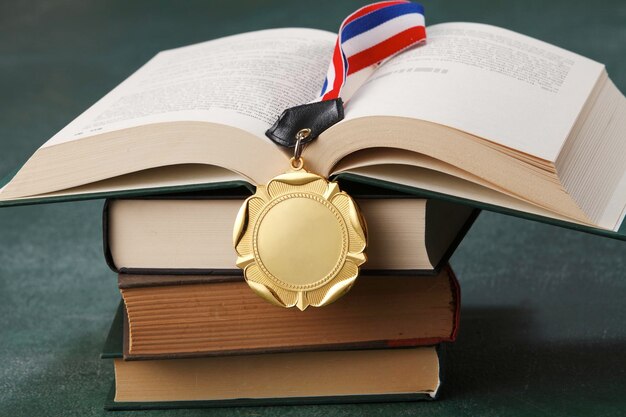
{"x":479,"y":114}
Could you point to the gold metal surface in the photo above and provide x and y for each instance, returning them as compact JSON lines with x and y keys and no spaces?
{"x":300,"y":240}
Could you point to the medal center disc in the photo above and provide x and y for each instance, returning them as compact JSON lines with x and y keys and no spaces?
{"x":300,"y":241}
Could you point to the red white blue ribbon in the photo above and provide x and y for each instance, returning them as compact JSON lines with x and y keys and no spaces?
{"x":369,"y":36}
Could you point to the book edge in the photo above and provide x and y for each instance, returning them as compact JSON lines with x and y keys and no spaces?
{"x":111,"y":405}
{"x":455,"y":300}
{"x":138,"y":192}
{"x":619,"y":235}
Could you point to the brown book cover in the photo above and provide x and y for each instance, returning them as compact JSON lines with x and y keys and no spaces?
{"x":194,"y":315}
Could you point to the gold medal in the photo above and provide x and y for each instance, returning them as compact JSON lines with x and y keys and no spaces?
{"x":299,"y":239}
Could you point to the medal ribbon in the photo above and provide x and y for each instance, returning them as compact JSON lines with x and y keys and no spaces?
{"x":369,"y":36}
{"x":366,"y":38}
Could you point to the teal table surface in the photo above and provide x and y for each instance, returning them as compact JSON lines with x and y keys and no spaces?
{"x":543,"y":319}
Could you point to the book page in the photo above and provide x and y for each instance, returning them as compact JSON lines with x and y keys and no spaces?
{"x":245,"y":81}
{"x":490,"y":82}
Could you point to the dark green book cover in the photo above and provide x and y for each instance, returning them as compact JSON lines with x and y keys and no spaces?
{"x":114,"y":343}
{"x":113,"y":348}
{"x":620,"y":234}
{"x":217,"y":186}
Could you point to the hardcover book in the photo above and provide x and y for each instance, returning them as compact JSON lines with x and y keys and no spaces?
{"x":193,"y":233}
{"x":479,"y":114}
{"x":185,"y":316}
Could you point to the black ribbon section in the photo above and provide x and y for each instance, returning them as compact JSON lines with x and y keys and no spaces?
{"x":317,"y":116}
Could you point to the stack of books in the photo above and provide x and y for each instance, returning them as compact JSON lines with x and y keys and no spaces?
{"x":190,"y":332}
{"x":478,"y":115}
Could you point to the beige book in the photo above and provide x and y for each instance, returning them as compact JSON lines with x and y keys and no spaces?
{"x":301,"y":377}
{"x":196,"y":234}
{"x":478,"y":112}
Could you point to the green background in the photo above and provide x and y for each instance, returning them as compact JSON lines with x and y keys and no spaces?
{"x":542,"y":329}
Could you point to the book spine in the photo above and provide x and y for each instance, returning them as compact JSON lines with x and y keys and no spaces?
{"x":458,"y":239}
{"x":456,"y":299}
{"x":105,"y":237}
